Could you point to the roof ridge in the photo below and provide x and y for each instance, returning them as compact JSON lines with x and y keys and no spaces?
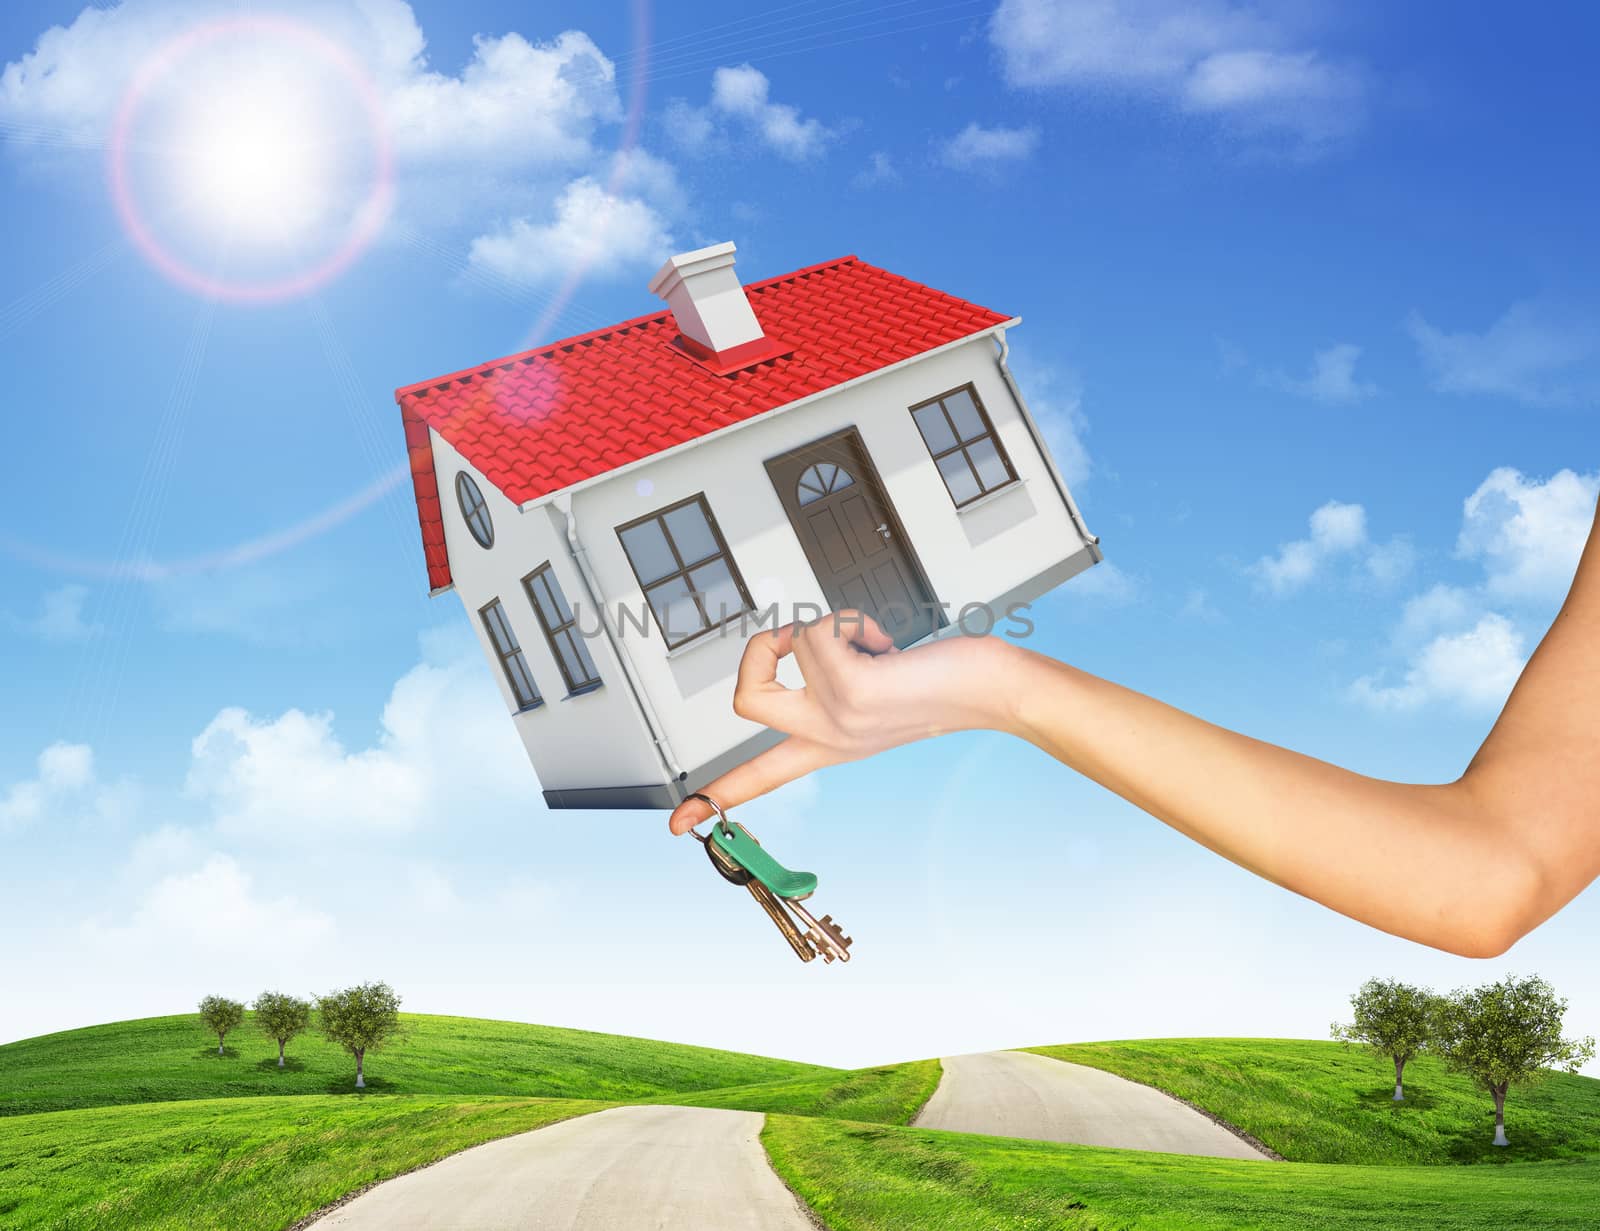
{"x":583,"y":339}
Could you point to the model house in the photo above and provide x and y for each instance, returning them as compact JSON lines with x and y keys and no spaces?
{"x":619,"y":512}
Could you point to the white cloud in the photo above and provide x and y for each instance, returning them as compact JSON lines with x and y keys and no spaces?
{"x":65,"y":790}
{"x":880,"y":169}
{"x":741,"y":100}
{"x":60,"y":617}
{"x":976,"y":147}
{"x":1336,"y":529}
{"x":1475,"y":669}
{"x":1107,"y":583}
{"x":1197,"y":605}
{"x":522,"y":124}
{"x":443,"y":740}
{"x":1535,"y":353}
{"x":1438,"y":609}
{"x":516,"y":102}
{"x":1332,"y":377}
{"x":212,"y":908}
{"x":1055,"y":399}
{"x":594,"y":231}
{"x":1528,"y":534}
{"x":1211,"y":58}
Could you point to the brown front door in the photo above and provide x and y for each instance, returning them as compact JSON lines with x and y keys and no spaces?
{"x":852,"y":537}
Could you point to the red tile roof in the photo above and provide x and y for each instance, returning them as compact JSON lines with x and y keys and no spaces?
{"x":541,"y":421}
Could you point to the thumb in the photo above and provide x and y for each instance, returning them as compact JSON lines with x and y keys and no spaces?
{"x":766,"y":771}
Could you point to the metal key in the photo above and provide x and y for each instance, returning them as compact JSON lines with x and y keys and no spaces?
{"x":768,"y":901}
{"x":778,"y":890}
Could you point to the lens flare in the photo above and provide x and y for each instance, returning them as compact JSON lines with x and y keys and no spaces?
{"x":252,"y":144}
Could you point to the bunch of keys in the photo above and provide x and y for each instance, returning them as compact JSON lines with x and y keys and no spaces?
{"x":740,"y":859}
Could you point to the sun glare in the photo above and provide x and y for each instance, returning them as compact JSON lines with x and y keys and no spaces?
{"x":248,"y":162}
{"x":250,"y":159}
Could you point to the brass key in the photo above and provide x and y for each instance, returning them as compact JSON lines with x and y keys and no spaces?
{"x":765,"y":898}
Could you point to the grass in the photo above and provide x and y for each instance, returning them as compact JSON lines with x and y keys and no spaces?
{"x":158,"y":1059}
{"x":235,"y":1163}
{"x":859,"y":1177}
{"x":889,"y":1095}
{"x":1318,"y":1102}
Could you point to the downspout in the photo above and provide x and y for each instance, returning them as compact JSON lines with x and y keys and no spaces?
{"x":591,"y":586}
{"x":1092,"y":540}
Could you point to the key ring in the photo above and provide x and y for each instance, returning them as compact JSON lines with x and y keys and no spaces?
{"x":722,"y":817}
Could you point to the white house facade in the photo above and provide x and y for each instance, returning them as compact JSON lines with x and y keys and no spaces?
{"x":614,"y":608}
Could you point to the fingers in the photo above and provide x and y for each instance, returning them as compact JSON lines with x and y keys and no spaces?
{"x":757,"y":695}
{"x":848,"y":627}
{"x":766,"y":771}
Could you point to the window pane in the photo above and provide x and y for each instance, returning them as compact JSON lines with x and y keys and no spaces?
{"x":810,"y":487}
{"x":717,"y":591}
{"x":691,"y":533}
{"x":552,"y":603}
{"x":958,"y":477}
{"x":647,"y":548}
{"x":675,"y":610}
{"x":521,"y":679}
{"x":590,"y":673}
{"x":494,"y":618}
{"x":986,"y":460}
{"x":575,"y":658}
{"x":964,"y":412}
{"x":935,"y":430}
{"x":473,"y":509}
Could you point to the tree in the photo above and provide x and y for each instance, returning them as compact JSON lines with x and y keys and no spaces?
{"x":1393,"y":1019}
{"x":220,"y":1015}
{"x":1508,"y":1033}
{"x":360,"y":1019}
{"x":281,"y":1017}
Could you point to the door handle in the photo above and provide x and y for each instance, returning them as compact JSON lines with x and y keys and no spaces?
{"x":883,"y":529}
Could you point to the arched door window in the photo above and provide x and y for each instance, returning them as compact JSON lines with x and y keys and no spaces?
{"x":821,"y":480}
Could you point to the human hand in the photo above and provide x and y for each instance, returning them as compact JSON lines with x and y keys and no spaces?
{"x":861,"y":696}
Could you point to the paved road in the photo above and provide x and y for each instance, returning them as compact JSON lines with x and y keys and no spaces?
{"x":627,"y":1169}
{"x":1019,"y":1094}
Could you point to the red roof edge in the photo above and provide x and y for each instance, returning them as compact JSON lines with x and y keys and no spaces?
{"x":483,"y":369}
{"x":425,"y":483}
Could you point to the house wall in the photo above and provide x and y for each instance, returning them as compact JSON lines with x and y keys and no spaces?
{"x":972,"y":555}
{"x":594,"y":739}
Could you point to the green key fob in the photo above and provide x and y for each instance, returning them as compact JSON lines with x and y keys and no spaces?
{"x":735,"y":841}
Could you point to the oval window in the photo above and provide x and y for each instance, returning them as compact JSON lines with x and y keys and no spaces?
{"x":473,"y":510}
{"x":821,"y":480}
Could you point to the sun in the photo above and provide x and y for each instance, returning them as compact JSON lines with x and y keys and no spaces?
{"x":250,"y":163}
{"x":250,"y":158}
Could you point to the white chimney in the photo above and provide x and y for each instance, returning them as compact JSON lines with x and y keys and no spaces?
{"x":706,"y":299}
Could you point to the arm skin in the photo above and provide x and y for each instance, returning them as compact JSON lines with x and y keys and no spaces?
{"x":1468,"y":866}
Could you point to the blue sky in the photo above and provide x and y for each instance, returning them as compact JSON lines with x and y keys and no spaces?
{"x":1309,"y":310}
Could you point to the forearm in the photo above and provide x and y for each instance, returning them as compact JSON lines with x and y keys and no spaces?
{"x":1427,"y":862}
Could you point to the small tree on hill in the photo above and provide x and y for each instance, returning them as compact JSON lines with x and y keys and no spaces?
{"x":360,"y":1019}
{"x":220,"y":1015}
{"x":1393,"y":1019}
{"x":1508,"y":1033}
{"x":281,"y":1017}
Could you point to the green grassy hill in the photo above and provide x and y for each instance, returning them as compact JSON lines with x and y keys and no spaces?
{"x":861,"y":1177}
{"x":891,"y":1094}
{"x":186,"y":1158}
{"x":1320,"y":1102}
{"x":157,"y":1059}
